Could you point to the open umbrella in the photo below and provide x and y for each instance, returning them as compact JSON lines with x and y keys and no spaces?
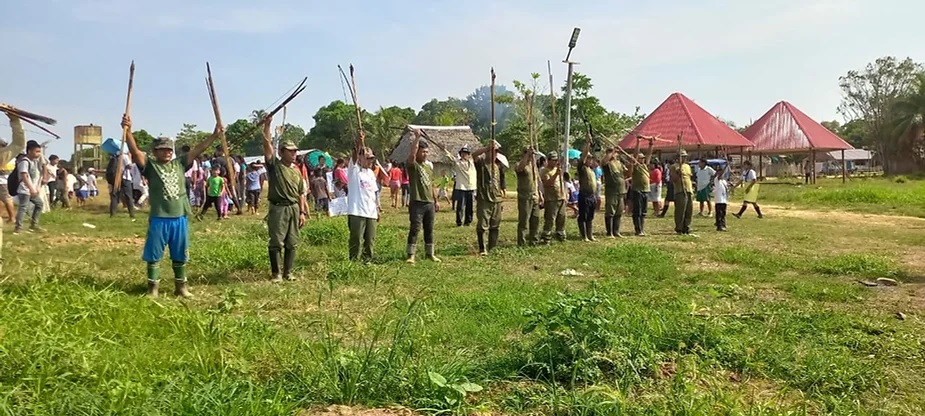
{"x":503,"y":159}
{"x":573,"y":154}
{"x":313,"y":156}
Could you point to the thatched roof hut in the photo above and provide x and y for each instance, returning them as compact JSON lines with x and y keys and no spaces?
{"x":451,"y":138}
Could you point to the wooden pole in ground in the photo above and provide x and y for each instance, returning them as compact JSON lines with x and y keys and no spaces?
{"x":117,"y":184}
{"x":812,"y":164}
{"x":844,"y":168}
{"x":218,"y":120}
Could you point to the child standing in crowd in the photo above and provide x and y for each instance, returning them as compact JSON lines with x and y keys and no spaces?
{"x":720,"y":198}
{"x":61,"y":185}
{"x":405,"y":192}
{"x":320,"y":192}
{"x":442,"y":186}
{"x":395,"y":187}
{"x":215,"y":187}
{"x":91,"y":183}
{"x":225,"y":200}
{"x":572,"y":191}
{"x":254,"y":179}
{"x":81,"y":188}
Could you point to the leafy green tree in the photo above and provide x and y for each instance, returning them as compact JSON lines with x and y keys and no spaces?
{"x":334,"y":130}
{"x":290,"y":132}
{"x":449,"y":112}
{"x":478,"y":105}
{"x":609,"y":125}
{"x":190,"y":136}
{"x":870,"y":95}
{"x":384,"y":128}
{"x":855,"y":133}
{"x":909,"y":112}
{"x":144,"y":139}
{"x":833,"y":126}
{"x":244,"y":137}
{"x":515,"y":137}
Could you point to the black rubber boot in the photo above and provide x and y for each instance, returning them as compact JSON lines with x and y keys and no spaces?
{"x":642,"y":226}
{"x":581,"y":231}
{"x":758,"y":210}
{"x":608,"y":224}
{"x":616,"y":226}
{"x":274,"y":266}
{"x":481,"y":237}
{"x":288,"y":262}
{"x":589,"y":230}
{"x":493,"y":235}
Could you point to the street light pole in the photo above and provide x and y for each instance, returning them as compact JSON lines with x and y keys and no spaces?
{"x":568,"y":100}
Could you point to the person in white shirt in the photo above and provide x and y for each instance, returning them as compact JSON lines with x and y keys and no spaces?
{"x":51,"y":176}
{"x":83,"y":188}
{"x":464,"y":186}
{"x":125,"y":194}
{"x":750,"y":180}
{"x":362,"y":203}
{"x":704,"y":181}
{"x":720,"y":197}
{"x":91,"y":183}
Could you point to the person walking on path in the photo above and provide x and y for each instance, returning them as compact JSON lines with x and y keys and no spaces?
{"x":639,"y":184}
{"x":705,"y":175}
{"x":614,"y":192}
{"x":750,"y":179}
{"x":529,"y":200}
{"x":464,"y":186}
{"x":288,"y":209}
{"x":587,"y":201}
{"x":362,"y":201}
{"x":683,"y":194}
{"x":170,"y":207}
{"x":488,"y":197}
{"x":422,"y":200}
{"x":28,"y":193}
{"x":554,"y":199}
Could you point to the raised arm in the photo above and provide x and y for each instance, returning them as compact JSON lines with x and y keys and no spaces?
{"x":137,"y":155}
{"x":650,"y":151}
{"x":586,"y":150}
{"x":358,"y":146}
{"x":205,"y":144}
{"x":267,"y":140}
{"x":413,"y":151}
{"x":525,"y":161}
{"x":18,"y":144}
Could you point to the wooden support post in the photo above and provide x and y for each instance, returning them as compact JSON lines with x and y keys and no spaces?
{"x":760,"y":164}
{"x":812,"y":164}
{"x":844,"y":168}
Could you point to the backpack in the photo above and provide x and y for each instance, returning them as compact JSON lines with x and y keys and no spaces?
{"x":12,"y":181}
{"x":111,"y":171}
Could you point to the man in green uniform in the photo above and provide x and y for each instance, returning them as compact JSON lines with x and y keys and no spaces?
{"x":529,"y":200}
{"x":614,"y":192}
{"x":170,"y":207}
{"x":554,"y":199}
{"x":288,"y":209}
{"x":683,"y":194}
{"x":587,"y":185}
{"x":423,"y":206}
{"x":639,"y":192}
{"x":488,"y":197}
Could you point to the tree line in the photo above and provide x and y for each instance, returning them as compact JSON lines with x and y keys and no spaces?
{"x":335,"y":123}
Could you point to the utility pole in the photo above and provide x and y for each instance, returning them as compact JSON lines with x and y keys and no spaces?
{"x":568,"y":99}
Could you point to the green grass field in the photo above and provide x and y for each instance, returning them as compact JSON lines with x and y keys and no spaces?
{"x":766,"y":319}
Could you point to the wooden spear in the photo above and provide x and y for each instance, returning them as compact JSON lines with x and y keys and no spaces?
{"x":492,"y":152}
{"x":117,"y":185}
{"x":25,"y":115}
{"x":356,"y":100}
{"x":536,"y":176}
{"x":218,"y":120}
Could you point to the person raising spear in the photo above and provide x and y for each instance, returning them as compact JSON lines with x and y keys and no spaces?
{"x":170,"y":207}
{"x":614,"y":191}
{"x":639,"y":171}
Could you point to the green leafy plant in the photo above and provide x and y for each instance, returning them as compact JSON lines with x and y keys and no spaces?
{"x":454,"y":394}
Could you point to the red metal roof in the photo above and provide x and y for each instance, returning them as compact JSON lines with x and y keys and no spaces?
{"x":679,"y":115}
{"x":786,"y":129}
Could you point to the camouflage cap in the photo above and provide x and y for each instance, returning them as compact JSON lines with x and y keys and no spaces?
{"x":288,"y":145}
{"x":553,"y":156}
{"x":163,"y":143}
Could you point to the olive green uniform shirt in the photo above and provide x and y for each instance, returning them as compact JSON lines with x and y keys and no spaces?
{"x":421,"y":182}
{"x":284,"y":183}
{"x":488,"y":177}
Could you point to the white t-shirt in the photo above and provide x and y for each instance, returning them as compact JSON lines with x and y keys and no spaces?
{"x":720,"y":191}
{"x":330,"y":177}
{"x":51,"y":172}
{"x":91,"y":182}
{"x":704,"y":176}
{"x":32,"y":168}
{"x":85,"y":187}
{"x":70,"y":182}
{"x":127,"y":167}
{"x":361,"y":192}
{"x":749,"y":176}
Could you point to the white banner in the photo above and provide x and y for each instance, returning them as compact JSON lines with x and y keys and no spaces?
{"x":337,"y":207}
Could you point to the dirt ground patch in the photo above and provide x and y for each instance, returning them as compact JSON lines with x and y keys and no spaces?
{"x":339,"y":410}
{"x":844,"y":216}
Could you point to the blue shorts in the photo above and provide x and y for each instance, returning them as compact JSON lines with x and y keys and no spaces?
{"x":162,"y":232}
{"x":81,"y":195}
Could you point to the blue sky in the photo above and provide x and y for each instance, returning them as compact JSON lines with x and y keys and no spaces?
{"x":69,"y":58}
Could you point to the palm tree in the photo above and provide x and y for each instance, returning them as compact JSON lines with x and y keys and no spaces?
{"x":257,"y":115}
{"x":909,"y":111}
